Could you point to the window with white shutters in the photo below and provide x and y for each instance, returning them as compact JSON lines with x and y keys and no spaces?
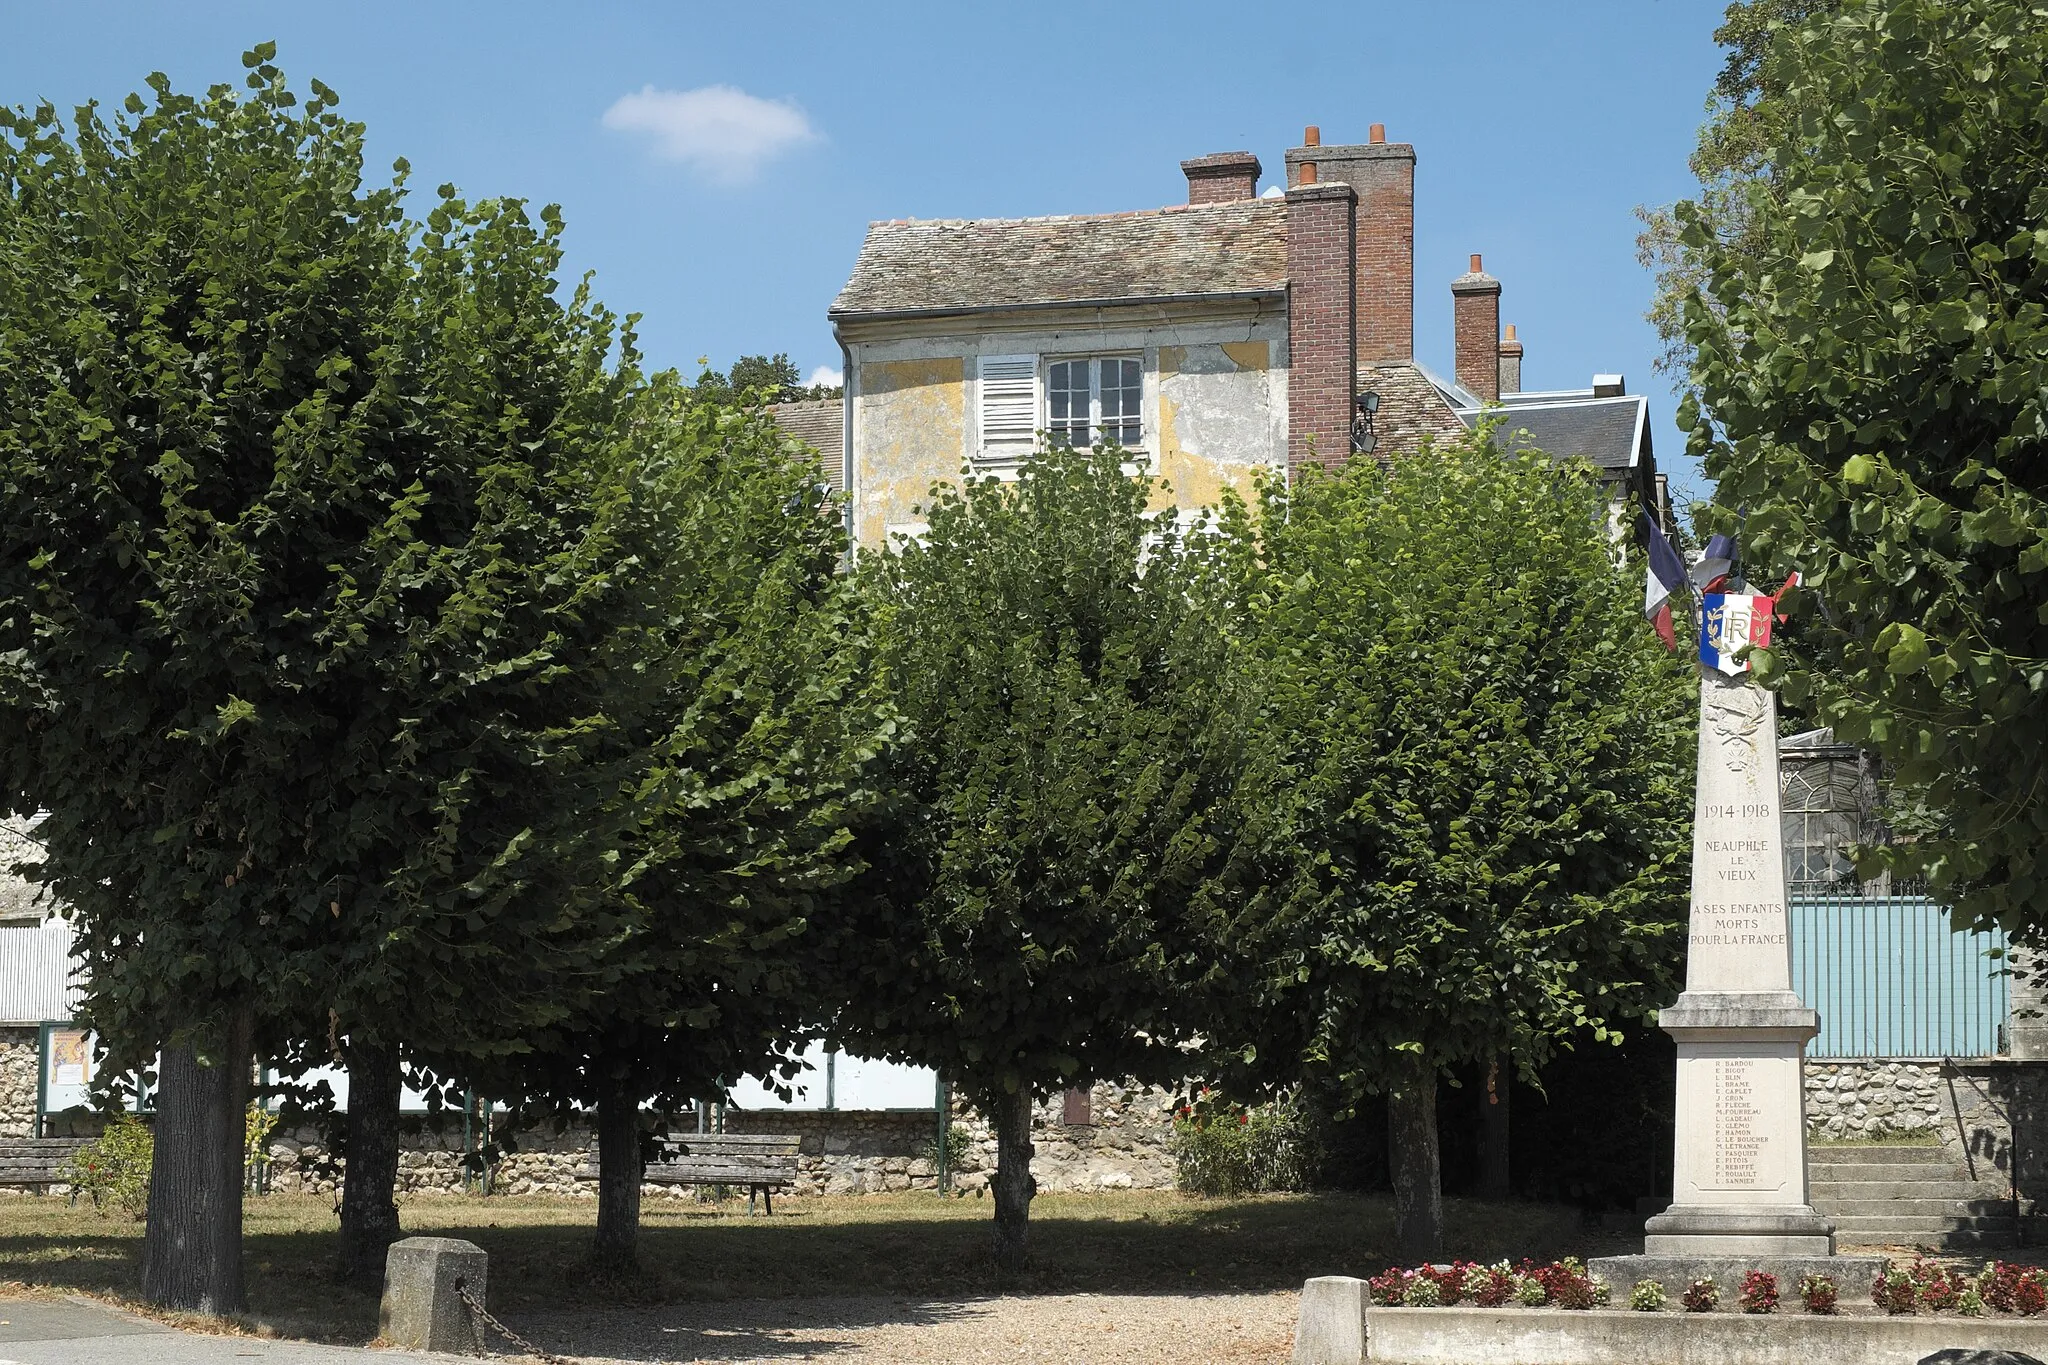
{"x":1009,"y":404}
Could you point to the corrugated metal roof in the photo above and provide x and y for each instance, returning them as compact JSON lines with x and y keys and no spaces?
{"x":962,"y":265}
{"x":35,"y":971}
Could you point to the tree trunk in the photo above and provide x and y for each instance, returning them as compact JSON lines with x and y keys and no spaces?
{"x":192,"y":1246}
{"x":1418,"y":1175}
{"x":1494,"y":1182}
{"x":619,"y":1172}
{"x":1014,"y":1187}
{"x":369,"y":1215}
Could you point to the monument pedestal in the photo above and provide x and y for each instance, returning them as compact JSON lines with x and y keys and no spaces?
{"x":1739,"y":1159}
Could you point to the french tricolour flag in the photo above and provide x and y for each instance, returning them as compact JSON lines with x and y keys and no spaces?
{"x":1666,"y":576}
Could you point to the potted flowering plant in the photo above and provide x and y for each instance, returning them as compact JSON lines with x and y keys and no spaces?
{"x":1818,"y":1293}
{"x":1759,"y":1292}
{"x":1389,"y":1288}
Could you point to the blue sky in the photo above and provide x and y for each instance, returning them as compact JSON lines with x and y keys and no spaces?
{"x":717,"y":164}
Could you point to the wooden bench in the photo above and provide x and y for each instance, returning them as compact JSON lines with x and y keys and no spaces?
{"x":37,"y":1162}
{"x":763,"y":1162}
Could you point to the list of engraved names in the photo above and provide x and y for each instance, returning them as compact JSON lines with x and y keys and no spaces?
{"x":1738,"y":1147}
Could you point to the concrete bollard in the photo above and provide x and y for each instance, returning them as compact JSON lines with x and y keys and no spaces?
{"x":422,"y":1310}
{"x":1331,"y":1329}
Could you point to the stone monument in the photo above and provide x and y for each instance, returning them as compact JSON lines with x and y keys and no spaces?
{"x":1739,"y":1158}
{"x":1739,"y":1149}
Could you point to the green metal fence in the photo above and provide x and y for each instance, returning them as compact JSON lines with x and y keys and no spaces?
{"x":1890,"y":977}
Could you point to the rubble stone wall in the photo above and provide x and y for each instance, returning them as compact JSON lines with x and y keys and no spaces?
{"x":1123,"y":1146}
{"x":1975,"y":1109}
{"x":20,"y":1053}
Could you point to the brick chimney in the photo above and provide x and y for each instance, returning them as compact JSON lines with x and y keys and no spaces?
{"x":1321,"y":324}
{"x":1510,"y":362}
{"x":1475,"y":308}
{"x":1221,"y":177}
{"x":1383,"y":173}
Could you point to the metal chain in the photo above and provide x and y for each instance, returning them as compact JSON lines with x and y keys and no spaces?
{"x":484,"y":1318}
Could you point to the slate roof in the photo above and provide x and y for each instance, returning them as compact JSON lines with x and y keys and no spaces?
{"x":1611,"y":432}
{"x":967,"y":265}
{"x":820,"y":424}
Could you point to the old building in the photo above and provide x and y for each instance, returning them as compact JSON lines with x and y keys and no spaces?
{"x":1212,"y":339}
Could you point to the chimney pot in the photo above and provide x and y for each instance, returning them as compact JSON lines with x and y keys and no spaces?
{"x":1511,"y":332}
{"x":1312,"y":136}
{"x":1308,"y":173}
{"x":1377,"y":134}
{"x":1476,"y":268}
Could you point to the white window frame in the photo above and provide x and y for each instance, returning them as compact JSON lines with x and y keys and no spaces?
{"x":1094,"y":360}
{"x":1004,"y":385}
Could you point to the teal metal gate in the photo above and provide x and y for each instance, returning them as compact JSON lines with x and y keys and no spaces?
{"x":1890,"y":978}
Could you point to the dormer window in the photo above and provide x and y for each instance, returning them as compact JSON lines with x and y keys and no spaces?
{"x":1095,"y":398}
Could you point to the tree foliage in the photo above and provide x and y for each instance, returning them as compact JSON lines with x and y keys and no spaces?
{"x":1037,"y":912}
{"x":1873,"y":375}
{"x":760,"y":379}
{"x":1472,"y":814}
{"x":311,"y":571}
{"x":1747,"y":110}
{"x":750,"y":752}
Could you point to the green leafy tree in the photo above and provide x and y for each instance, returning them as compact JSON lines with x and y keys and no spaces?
{"x":1472,"y":812}
{"x":1747,"y":111}
{"x":756,"y":378}
{"x":1037,"y":914}
{"x":1873,"y":381}
{"x":751,"y":761}
{"x":309,"y":576}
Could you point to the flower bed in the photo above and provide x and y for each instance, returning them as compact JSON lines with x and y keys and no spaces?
{"x":1904,"y":1289}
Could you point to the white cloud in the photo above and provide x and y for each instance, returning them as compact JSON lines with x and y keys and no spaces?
{"x":826,"y":375}
{"x":719,"y":130}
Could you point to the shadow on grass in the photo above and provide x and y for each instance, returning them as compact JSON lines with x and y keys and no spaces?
{"x":866,"y":1260}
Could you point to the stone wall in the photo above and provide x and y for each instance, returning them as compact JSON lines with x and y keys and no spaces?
{"x":1973,"y":1108}
{"x":20,"y":1053}
{"x":1123,"y":1146}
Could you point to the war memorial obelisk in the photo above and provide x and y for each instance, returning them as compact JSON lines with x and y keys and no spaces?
{"x":1739,"y":1198}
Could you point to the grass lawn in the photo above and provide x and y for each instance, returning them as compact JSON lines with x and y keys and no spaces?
{"x":907,"y":1245}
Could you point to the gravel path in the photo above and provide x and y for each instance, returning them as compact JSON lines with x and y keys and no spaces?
{"x":1054,"y":1329}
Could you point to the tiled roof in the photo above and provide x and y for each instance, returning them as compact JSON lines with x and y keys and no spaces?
{"x":1603,"y":430}
{"x":820,"y":424}
{"x":1411,"y":407}
{"x":942,"y":266}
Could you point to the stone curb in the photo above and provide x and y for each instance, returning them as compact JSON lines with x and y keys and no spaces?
{"x":1548,"y":1336}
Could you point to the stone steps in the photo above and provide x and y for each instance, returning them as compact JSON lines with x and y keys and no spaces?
{"x":1845,"y":1190}
{"x":1908,"y":1195}
{"x":1838,"y":1172}
{"x":1890,"y":1158}
{"x":1838,"y":1209}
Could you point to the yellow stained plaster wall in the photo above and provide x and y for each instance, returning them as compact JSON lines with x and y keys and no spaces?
{"x":912,"y":431}
{"x":1217,"y":420}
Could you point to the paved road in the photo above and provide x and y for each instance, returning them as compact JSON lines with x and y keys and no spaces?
{"x":78,"y":1332}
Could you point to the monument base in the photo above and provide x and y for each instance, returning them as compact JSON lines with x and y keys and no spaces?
{"x":1853,"y":1275}
{"x":1739,"y":1230}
